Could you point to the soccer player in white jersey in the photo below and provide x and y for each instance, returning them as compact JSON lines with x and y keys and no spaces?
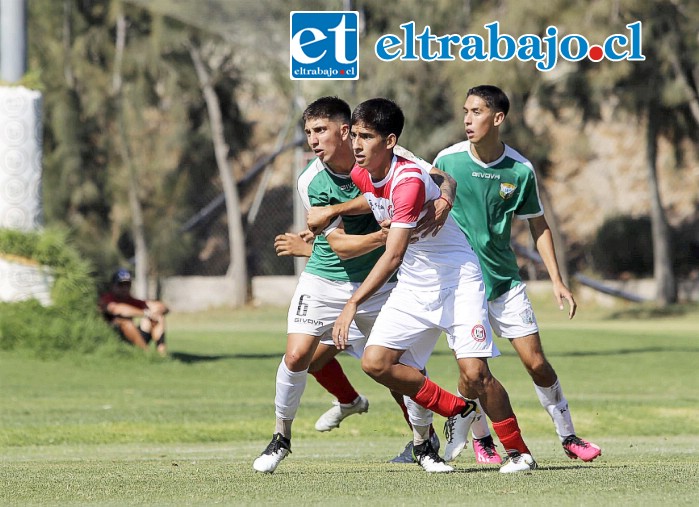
{"x":495,"y":183}
{"x":340,"y":260}
{"x":439,"y":289}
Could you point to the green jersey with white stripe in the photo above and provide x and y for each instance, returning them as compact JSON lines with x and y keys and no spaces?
{"x":487,"y":197}
{"x":319,"y":186}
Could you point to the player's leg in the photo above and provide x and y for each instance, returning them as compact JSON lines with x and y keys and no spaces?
{"x":477,"y":381}
{"x":513,"y":317}
{"x":407,"y":378}
{"x":306,"y":323}
{"x":484,"y":447}
{"x":292,"y":374}
{"x":329,"y":373}
{"x":406,"y":456}
{"x":550,"y":393}
{"x":470,"y":337}
{"x":404,"y":332}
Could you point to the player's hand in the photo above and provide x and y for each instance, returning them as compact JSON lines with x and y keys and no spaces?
{"x":342,"y":325}
{"x":561,"y":292}
{"x":318,"y":218}
{"x":307,"y":236}
{"x":436,"y":214}
{"x":385,"y":227}
{"x":290,"y":244}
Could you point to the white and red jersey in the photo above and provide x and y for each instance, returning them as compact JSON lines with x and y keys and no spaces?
{"x":431,"y":263}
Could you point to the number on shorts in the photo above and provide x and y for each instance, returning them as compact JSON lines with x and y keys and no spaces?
{"x":302,"y":309}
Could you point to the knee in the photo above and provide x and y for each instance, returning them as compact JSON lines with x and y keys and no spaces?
{"x":295,"y":360}
{"x":471,"y":384}
{"x":373,"y":366}
{"x":474,"y":377}
{"x":539,"y":367}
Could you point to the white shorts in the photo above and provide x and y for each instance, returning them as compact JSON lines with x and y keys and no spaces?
{"x":414,"y":320}
{"x":511,"y":315}
{"x":318,"y":302}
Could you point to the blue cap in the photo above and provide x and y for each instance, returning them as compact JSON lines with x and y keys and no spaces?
{"x":122,"y":275}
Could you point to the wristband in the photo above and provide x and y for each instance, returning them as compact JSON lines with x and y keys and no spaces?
{"x":441,"y":196}
{"x":147,"y":313}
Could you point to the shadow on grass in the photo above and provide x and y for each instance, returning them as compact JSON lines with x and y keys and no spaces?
{"x":184,"y":357}
{"x":616,"y":352}
{"x":645,"y":312}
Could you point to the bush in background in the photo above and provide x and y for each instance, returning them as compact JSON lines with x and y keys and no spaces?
{"x":72,"y":322}
{"x":624,"y":245}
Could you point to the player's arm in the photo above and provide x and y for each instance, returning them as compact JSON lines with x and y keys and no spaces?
{"x":348,"y":246}
{"x":319,"y":217}
{"x":396,"y":244}
{"x":437,"y":210}
{"x":544,"y":244}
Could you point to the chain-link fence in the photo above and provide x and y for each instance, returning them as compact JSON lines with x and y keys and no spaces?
{"x":269,"y":205}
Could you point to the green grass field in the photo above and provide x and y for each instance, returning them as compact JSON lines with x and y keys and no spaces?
{"x":118,"y":428}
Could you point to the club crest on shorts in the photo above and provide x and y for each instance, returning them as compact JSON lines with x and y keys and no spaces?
{"x":527,"y":317}
{"x":478,"y":333}
{"x":507,"y":190}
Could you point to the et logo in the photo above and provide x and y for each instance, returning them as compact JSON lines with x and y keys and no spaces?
{"x":324,"y":45}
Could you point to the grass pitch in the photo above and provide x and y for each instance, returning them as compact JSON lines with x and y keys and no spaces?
{"x":125,"y":429}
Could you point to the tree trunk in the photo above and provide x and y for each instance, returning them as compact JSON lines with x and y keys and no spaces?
{"x":237,"y":268}
{"x":137,"y":225}
{"x":666,"y":288}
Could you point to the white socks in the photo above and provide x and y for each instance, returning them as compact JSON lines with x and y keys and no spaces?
{"x":420,"y":419}
{"x":479,"y":428}
{"x":290,"y":387}
{"x":556,"y":404}
{"x":551,"y":398}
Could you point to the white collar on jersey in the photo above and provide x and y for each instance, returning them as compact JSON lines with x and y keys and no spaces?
{"x":385,"y":179}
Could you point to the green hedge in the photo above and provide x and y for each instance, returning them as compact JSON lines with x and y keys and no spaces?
{"x":72,"y":322}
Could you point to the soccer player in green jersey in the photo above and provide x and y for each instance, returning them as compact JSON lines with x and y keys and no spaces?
{"x":494,"y":184}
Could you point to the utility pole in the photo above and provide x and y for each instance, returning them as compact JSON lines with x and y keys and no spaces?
{"x":13,"y":40}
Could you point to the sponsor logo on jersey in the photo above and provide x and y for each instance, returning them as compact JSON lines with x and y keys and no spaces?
{"x":485,"y":176}
{"x":324,"y":45}
{"x":478,"y":333}
{"x":347,"y":187}
{"x":507,"y":190}
{"x":381,"y":208}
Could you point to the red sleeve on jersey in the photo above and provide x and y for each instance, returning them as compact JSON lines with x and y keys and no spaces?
{"x":408,"y":200}
{"x":361,"y":178}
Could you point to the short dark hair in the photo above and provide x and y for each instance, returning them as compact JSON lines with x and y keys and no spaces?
{"x":493,"y":96}
{"x":333,"y":108}
{"x":382,"y":115}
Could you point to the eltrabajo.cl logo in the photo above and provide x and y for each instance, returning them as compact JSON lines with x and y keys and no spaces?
{"x":324,"y":45}
{"x":502,"y":47}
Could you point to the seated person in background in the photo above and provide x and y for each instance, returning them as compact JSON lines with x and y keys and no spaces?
{"x":119,"y":307}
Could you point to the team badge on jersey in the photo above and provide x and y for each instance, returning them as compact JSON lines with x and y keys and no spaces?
{"x":507,"y":190}
{"x":478,"y":333}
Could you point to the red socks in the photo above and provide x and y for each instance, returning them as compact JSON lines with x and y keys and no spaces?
{"x":510,"y":435}
{"x":439,"y":401}
{"x":333,"y":379}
